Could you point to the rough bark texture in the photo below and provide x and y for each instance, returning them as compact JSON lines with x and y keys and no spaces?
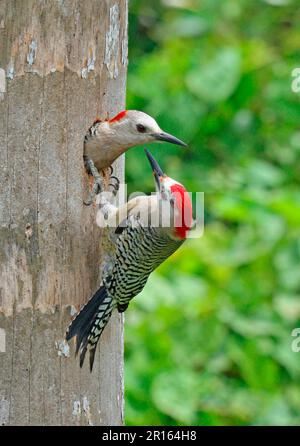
{"x":62,"y":63}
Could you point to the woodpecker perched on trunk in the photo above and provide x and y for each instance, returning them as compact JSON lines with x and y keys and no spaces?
{"x":106,"y":140}
{"x":149,"y":229}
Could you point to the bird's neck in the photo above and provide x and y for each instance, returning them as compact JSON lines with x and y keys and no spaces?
{"x":111,"y":143}
{"x":169,"y":223}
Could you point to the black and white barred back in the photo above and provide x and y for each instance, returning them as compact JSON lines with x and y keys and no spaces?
{"x":139,"y":251}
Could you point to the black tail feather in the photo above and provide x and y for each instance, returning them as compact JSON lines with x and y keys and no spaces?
{"x":92,"y":357}
{"x":85,"y":314}
{"x":83,"y":324}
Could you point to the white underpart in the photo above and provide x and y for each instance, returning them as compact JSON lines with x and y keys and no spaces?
{"x":155,"y":210}
{"x":169,"y":182}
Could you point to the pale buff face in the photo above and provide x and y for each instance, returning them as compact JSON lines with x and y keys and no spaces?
{"x":134,"y":129}
{"x":127,"y":129}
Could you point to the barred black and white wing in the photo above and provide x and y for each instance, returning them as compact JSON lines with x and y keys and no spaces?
{"x":139,"y":250}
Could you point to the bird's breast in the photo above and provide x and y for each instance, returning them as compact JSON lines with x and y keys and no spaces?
{"x":101,"y":153}
{"x":139,"y":251}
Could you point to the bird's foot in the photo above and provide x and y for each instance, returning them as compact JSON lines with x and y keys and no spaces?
{"x":114,"y":184}
{"x":111,"y":181}
{"x":98,"y":182}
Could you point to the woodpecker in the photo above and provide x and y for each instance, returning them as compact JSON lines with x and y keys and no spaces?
{"x":106,"y":140}
{"x":148,"y":230}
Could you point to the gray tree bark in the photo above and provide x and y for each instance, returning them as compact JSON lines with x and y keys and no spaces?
{"x":62,"y":63}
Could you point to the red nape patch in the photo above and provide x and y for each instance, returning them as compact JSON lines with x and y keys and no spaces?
{"x":118,"y":117}
{"x":184,"y":216}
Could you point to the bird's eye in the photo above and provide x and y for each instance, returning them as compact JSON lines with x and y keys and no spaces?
{"x":141,"y":128}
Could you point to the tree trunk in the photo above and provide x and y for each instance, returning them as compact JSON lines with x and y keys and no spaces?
{"x":62,"y":63}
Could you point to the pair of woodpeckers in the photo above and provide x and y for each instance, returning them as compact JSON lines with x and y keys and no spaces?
{"x":148,"y":229}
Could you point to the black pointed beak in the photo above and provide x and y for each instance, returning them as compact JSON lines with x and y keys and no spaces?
{"x":168,"y":138}
{"x":157,"y":172}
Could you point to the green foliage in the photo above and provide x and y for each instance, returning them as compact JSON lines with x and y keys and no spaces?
{"x":208,"y":341}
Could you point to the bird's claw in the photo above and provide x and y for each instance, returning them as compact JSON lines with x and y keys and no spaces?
{"x":98,"y":182}
{"x":90,"y":167}
{"x":115,"y":185}
{"x":97,"y":188}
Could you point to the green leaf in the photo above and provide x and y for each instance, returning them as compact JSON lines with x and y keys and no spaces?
{"x":216,"y":79}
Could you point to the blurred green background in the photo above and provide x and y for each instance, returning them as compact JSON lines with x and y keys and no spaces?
{"x":209,"y":339}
